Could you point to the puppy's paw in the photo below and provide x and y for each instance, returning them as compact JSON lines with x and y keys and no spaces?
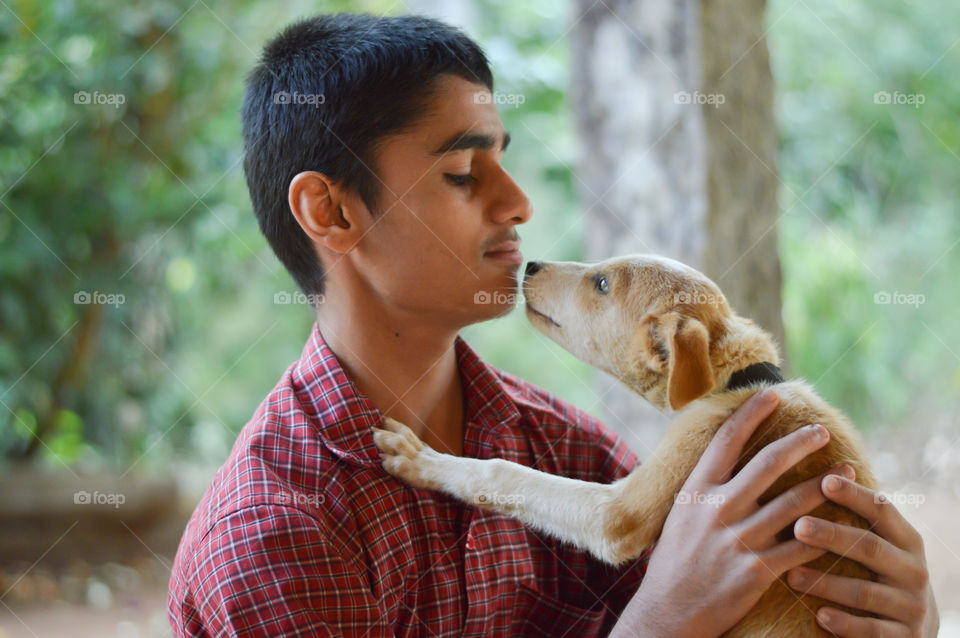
{"x":404,"y":455}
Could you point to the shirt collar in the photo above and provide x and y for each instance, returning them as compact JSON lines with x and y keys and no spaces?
{"x":344,"y":416}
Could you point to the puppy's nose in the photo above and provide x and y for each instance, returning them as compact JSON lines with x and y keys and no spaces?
{"x":533,"y":267}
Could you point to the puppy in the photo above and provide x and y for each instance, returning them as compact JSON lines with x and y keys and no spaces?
{"x":666,"y":331}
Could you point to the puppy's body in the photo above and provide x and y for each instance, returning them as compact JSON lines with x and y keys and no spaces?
{"x":659,"y":337}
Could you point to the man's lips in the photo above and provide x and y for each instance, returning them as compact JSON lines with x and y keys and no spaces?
{"x":508,"y":251}
{"x":540,"y":314}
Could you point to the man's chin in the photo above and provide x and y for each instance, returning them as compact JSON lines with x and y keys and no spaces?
{"x":491,"y":310}
{"x":496,"y":299}
{"x":495,"y":310}
{"x":503,"y":309}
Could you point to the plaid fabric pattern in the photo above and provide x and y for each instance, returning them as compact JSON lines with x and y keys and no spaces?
{"x":302,"y":533}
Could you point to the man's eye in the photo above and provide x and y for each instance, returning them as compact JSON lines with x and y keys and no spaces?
{"x":459,"y":180}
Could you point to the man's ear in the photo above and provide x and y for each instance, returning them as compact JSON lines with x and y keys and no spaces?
{"x":325,"y":212}
{"x":685,"y":343}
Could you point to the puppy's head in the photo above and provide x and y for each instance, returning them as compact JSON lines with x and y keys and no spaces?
{"x":650,"y":321}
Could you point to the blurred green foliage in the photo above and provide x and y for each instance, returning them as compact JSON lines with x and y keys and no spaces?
{"x":868,"y":104}
{"x":145,"y":201}
{"x":120,"y":163}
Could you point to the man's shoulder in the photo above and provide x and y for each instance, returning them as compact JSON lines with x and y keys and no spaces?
{"x":573,"y":434}
{"x":551,"y":410}
{"x":265,"y":470}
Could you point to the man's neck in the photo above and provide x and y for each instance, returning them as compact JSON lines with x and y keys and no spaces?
{"x":406,"y":368}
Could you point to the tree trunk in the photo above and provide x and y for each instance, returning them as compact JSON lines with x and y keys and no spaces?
{"x":674,"y":109}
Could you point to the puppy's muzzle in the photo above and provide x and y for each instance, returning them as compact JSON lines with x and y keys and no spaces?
{"x":533,"y":267}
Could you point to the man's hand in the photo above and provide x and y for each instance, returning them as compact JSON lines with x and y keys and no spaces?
{"x":902,"y":595}
{"x":718,"y":552}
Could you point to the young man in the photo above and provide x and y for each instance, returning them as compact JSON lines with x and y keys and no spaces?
{"x":373,"y":156}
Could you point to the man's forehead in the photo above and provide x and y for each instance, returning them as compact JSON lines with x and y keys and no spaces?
{"x":473,"y":139}
{"x":458,"y":116}
{"x":462,"y":115}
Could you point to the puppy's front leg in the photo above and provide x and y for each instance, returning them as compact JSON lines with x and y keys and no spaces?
{"x":568,"y":509}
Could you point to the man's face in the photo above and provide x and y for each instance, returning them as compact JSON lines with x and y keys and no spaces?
{"x":440,"y":240}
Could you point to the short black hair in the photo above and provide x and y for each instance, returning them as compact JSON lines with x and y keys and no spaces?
{"x":325,"y":91}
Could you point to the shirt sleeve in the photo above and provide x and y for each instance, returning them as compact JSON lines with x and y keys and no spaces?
{"x":268,"y":571}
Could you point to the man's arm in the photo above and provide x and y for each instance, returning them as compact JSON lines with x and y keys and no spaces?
{"x":268,"y":571}
{"x":682,"y":594}
{"x":718,"y":555}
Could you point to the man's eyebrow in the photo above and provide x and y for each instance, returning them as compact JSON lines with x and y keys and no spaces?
{"x":463,"y":141}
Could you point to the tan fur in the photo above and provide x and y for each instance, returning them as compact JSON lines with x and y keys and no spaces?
{"x":667,"y":332}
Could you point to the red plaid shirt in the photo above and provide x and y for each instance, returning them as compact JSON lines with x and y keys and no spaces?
{"x":302,"y":532}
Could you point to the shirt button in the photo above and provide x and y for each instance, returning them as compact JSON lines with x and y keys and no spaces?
{"x":469,"y":543}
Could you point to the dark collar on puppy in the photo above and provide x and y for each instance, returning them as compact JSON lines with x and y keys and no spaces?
{"x":764,"y":372}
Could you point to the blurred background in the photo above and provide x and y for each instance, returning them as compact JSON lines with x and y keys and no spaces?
{"x":803,"y":153}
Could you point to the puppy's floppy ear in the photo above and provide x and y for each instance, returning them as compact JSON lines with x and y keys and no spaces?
{"x":682,"y":344}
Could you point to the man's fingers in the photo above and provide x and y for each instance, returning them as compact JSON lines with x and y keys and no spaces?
{"x":856,"y":593}
{"x":840,"y":623}
{"x":883,"y":516}
{"x":772,"y":461}
{"x":720,"y":457}
{"x":860,"y":545}
{"x":785,"y":509}
{"x":783,"y":557}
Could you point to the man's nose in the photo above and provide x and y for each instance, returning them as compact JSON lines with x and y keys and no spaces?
{"x":533,"y":267}
{"x":511,"y":205}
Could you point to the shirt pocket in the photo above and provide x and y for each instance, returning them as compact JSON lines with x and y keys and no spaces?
{"x":540,"y":615}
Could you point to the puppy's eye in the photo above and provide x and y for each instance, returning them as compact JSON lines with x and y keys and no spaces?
{"x":600,"y":282}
